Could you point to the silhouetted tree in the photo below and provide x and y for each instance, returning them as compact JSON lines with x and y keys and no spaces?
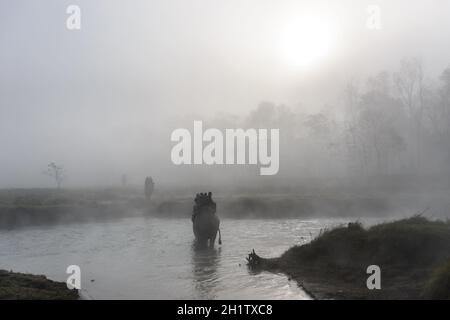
{"x":56,"y":172}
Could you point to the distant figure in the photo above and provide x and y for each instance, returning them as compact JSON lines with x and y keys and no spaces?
{"x":149,"y":187}
{"x":205,"y":221}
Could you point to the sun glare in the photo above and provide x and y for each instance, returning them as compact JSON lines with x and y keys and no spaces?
{"x":307,"y":41}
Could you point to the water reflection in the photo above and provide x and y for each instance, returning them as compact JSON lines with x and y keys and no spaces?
{"x":205,"y":262}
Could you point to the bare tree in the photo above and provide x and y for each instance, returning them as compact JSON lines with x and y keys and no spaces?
{"x":373,"y":125}
{"x":409,"y":81}
{"x":353,"y":137}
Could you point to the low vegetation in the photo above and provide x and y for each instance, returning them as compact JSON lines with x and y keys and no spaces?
{"x":35,"y":207}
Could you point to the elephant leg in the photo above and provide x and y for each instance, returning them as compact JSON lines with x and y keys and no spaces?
{"x":212,"y":240}
{"x":202,"y":242}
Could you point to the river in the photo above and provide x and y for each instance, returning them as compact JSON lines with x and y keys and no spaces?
{"x":150,"y":258}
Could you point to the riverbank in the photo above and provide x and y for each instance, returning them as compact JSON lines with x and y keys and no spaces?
{"x":413,"y":256}
{"x":20,"y":286}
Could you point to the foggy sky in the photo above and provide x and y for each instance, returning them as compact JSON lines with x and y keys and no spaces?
{"x":103,"y":100}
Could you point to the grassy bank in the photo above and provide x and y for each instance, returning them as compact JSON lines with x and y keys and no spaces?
{"x":34,"y":207}
{"x":413,"y":255}
{"x":19,"y":286}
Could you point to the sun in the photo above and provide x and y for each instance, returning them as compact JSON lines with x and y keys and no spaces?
{"x":306,"y":41}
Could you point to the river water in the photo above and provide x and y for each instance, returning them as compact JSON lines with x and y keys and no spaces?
{"x":149,"y":258}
